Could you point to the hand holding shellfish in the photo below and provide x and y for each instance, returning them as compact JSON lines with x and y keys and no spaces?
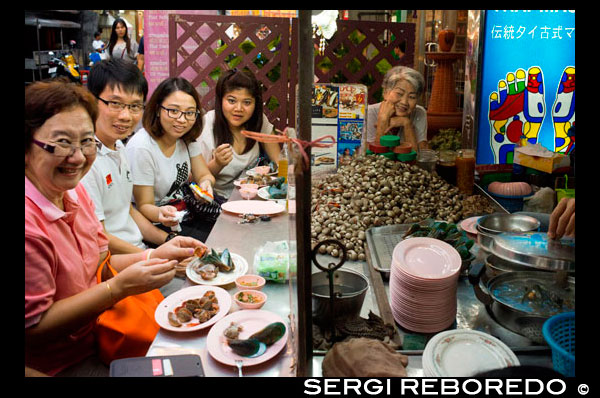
{"x":179,"y":248}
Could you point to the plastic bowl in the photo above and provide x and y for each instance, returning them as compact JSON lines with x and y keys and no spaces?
{"x":262,"y":170}
{"x":260,"y":296}
{"x":250,"y":282}
{"x":247,"y":193}
{"x":248,"y":186}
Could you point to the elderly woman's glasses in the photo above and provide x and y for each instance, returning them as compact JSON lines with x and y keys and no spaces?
{"x":176,"y":114}
{"x":62,"y":149}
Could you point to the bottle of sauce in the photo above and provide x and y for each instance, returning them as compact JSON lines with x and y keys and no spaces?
{"x":465,"y":170}
{"x":282,"y":166}
{"x":446,"y":167}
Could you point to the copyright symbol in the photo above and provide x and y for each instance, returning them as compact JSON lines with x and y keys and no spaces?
{"x":583,"y":389}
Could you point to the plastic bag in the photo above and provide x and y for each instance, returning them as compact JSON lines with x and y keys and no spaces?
{"x":276,"y":261}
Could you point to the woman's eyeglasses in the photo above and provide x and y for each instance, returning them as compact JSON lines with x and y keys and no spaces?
{"x":176,"y":114}
{"x":63,"y":149}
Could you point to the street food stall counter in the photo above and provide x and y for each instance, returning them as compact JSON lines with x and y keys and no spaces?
{"x":244,"y":239}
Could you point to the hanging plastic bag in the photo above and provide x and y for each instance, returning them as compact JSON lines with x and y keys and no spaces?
{"x":276,"y":261}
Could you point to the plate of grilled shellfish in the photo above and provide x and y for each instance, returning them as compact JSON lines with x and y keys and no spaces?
{"x":252,"y":336}
{"x":216,"y":267}
{"x":193,"y":308}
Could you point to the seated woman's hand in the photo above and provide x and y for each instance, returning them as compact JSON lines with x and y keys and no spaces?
{"x":143,"y":276}
{"x":387,"y":109}
{"x":205,"y":185}
{"x":166,"y":215}
{"x":223,"y":154}
{"x":178,"y":248}
{"x":399,"y":121}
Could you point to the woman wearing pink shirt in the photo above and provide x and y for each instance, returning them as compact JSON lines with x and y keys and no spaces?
{"x":65,"y":242}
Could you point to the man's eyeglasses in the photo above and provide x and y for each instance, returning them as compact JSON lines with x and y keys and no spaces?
{"x":62,"y":149}
{"x":119,"y":106}
{"x":176,"y":113}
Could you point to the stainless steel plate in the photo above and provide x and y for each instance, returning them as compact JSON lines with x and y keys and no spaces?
{"x":535,"y":249}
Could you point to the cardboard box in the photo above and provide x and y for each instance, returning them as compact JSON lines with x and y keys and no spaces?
{"x":542,"y":163}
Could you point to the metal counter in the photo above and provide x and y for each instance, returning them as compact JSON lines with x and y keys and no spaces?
{"x":245,"y":239}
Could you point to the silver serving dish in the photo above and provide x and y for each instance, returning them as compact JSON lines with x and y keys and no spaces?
{"x":484,"y":239}
{"x":511,"y":313}
{"x":536,"y":250}
{"x":498,"y":222}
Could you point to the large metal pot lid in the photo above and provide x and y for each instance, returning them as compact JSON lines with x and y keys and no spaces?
{"x":535,"y":249}
{"x":533,"y":292}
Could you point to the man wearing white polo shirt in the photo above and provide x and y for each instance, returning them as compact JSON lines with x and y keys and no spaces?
{"x":121,"y":90}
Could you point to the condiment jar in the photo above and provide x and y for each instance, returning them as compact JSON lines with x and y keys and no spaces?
{"x":465,"y":170}
{"x":427,"y":159}
{"x":446,"y":167}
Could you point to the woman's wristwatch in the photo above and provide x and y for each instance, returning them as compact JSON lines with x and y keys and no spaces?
{"x":170,"y":236}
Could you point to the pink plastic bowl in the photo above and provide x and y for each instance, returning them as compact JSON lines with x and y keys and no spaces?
{"x":262,"y":169}
{"x":249,"y":186}
{"x":250,"y":306}
{"x":248,"y":193}
{"x":250,"y":282}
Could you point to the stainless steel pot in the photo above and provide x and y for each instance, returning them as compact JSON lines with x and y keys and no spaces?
{"x":349,"y":289}
{"x":508,"y":311}
{"x":499,"y":222}
{"x":496,"y":266}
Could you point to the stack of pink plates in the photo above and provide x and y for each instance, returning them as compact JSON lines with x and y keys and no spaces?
{"x":423,"y":283}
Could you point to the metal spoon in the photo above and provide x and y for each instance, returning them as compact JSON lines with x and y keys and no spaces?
{"x":239,"y":364}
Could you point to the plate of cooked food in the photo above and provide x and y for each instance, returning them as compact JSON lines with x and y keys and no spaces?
{"x":193,"y":308}
{"x":262,"y":170}
{"x":260,"y":180}
{"x":216,"y":268}
{"x":250,"y":336}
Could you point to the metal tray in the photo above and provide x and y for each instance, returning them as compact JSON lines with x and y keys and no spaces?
{"x":381,"y":242}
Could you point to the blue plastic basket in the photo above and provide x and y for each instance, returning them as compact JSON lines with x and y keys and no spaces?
{"x":559,"y":332}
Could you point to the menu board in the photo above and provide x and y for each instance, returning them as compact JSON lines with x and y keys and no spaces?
{"x":338,"y":110}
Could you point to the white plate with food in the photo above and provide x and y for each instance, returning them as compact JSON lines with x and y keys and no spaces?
{"x":222,"y":278}
{"x":251,"y":321}
{"x":261,"y":181}
{"x":263,"y":193}
{"x":194,"y":299}
{"x":261,"y":170}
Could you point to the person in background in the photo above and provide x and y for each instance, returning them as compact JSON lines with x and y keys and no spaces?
{"x":562,"y":219}
{"x":119,"y":44}
{"x":238,"y":106}
{"x":398,"y":113}
{"x":120,"y":90}
{"x":163,"y":155}
{"x":98,"y":44}
{"x":64,"y":241}
{"x":140,"y":56}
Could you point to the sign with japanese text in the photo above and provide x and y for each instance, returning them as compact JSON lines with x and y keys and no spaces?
{"x":527,"y":83}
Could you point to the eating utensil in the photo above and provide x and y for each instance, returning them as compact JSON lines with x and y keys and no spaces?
{"x":239,"y":364}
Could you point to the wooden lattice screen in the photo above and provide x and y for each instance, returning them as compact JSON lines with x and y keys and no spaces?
{"x":204,"y":46}
{"x":362,"y":51}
